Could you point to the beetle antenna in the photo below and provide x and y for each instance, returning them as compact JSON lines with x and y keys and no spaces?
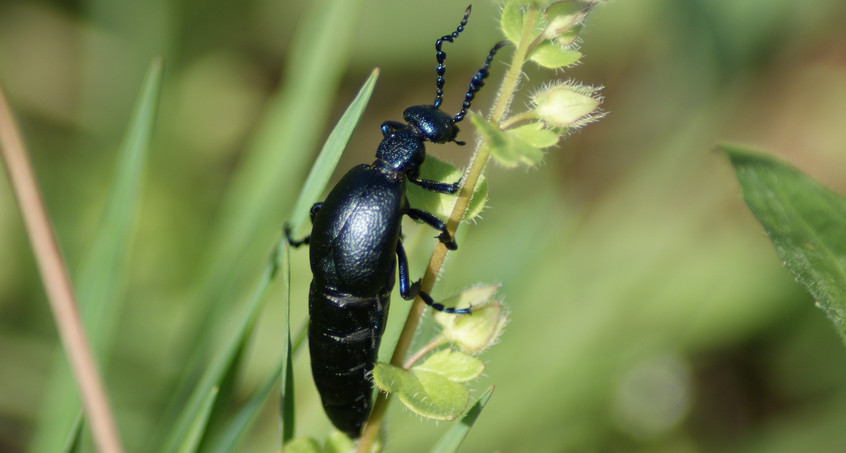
{"x":441,"y":55}
{"x":477,"y":82}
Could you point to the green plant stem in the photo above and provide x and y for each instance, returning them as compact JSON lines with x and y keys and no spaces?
{"x":431,"y":346}
{"x":478,"y":161}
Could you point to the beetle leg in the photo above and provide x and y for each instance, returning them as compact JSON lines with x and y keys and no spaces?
{"x":409,"y":290}
{"x":313,"y":211}
{"x":388,"y":127}
{"x":437,"y":186}
{"x":435,"y":223}
{"x":293,"y":242}
{"x":296,"y":243}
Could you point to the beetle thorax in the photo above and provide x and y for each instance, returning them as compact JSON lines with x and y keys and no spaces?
{"x":402,"y":151}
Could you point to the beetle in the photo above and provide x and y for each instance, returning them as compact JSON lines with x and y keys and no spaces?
{"x":356,"y":245}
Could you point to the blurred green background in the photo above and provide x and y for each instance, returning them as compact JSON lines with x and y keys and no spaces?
{"x":648,"y":310}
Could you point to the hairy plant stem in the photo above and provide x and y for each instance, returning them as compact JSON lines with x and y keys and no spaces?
{"x":478,"y":162}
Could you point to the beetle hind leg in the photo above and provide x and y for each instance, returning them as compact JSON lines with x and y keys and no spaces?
{"x":409,"y":290}
{"x":287,"y":228}
{"x":436,"y":223}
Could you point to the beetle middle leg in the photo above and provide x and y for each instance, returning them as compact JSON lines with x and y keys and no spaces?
{"x":437,"y":186}
{"x":436,"y":223}
{"x":409,"y":290}
{"x":287,"y":228}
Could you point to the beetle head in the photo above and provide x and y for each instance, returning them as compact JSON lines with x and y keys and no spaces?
{"x":431,"y":123}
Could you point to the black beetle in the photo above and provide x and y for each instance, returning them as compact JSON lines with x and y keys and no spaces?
{"x":356,"y":245}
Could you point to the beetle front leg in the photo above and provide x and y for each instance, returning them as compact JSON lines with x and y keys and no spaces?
{"x":436,"y":223}
{"x":296,"y":243}
{"x":409,"y":291}
{"x":437,"y":186}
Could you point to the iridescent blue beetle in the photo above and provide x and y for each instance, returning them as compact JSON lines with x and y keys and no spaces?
{"x":356,"y":246}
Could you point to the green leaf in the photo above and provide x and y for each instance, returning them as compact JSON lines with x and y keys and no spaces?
{"x":805,"y":222}
{"x":520,"y":151}
{"x":453,"y":438}
{"x":519,"y":145}
{"x":553,"y":56}
{"x":331,"y":153}
{"x":533,"y":135}
{"x":511,"y":22}
{"x":426,"y":393}
{"x":389,"y":378}
{"x":496,"y":140}
{"x":195,"y":432}
{"x":453,"y":365}
{"x":103,"y":272}
{"x":338,"y":442}
{"x":441,"y":204}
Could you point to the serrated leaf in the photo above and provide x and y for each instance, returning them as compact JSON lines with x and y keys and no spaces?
{"x":302,"y":445}
{"x":552,"y":56}
{"x":454,"y":365}
{"x":805,"y":222}
{"x":453,"y":438}
{"x":425,"y":393}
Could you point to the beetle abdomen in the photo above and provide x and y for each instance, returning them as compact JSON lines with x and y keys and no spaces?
{"x":343,"y":337}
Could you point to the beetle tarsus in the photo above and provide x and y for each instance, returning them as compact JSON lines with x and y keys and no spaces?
{"x":294,"y":242}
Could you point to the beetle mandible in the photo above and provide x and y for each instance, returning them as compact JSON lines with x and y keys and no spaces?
{"x":355,"y":245}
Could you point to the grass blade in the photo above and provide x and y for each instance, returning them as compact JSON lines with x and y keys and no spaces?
{"x":456,"y":435}
{"x":331,"y":153}
{"x":192,"y":440}
{"x":263,"y":188}
{"x":103,"y":272}
{"x":286,"y":398}
{"x":222,"y":363}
